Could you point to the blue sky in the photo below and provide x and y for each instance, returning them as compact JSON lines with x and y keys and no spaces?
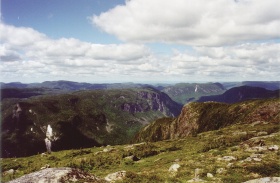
{"x":64,"y":18}
{"x":139,"y":40}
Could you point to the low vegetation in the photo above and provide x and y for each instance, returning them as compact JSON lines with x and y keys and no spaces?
{"x":236,"y":153}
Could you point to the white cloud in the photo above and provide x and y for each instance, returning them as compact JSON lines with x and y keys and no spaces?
{"x":39,"y":58}
{"x":192,"y":22}
{"x":25,"y":51}
{"x":241,"y":62}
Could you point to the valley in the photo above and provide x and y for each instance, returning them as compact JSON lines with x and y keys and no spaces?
{"x":142,"y":133}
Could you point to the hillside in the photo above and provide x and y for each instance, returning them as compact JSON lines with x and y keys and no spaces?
{"x":80,"y":119}
{"x":187,"y":92}
{"x":242,"y":93}
{"x":200,"y":117}
{"x":236,"y":153}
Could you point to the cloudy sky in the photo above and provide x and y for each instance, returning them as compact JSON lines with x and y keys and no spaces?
{"x":139,"y":40}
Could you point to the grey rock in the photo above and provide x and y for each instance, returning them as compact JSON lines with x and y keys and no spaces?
{"x":265,"y":180}
{"x":273,"y":148}
{"x":115,"y":176}
{"x":174,"y":168}
{"x":56,"y":175}
{"x":261,"y":133}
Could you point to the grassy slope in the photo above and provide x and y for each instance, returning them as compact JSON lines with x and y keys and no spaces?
{"x":201,"y":151}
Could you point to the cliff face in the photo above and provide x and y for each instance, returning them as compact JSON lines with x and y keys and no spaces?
{"x":200,"y":117}
{"x":155,"y":101}
{"x":81,"y":119}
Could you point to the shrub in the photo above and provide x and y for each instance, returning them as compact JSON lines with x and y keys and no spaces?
{"x":143,"y":178}
{"x":145,"y":150}
{"x":224,"y":141}
{"x":265,"y":169}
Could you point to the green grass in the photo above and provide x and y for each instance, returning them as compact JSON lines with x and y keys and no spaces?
{"x":201,"y":151}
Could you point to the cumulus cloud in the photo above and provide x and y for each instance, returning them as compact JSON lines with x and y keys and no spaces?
{"x":240,"y":62}
{"x":31,"y":52}
{"x":7,"y":55}
{"x":40,"y":57}
{"x":193,"y":22}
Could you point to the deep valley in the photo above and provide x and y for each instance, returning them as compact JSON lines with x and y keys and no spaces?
{"x":207,"y":132}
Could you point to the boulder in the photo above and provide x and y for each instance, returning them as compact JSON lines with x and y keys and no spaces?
{"x":273,"y":148}
{"x":56,"y":175}
{"x":174,"y":168}
{"x":221,"y":171}
{"x":210,"y":175}
{"x":132,"y":158}
{"x":229,"y":165}
{"x":227,"y":158}
{"x":109,"y":149}
{"x":261,"y":133}
{"x":265,"y":180}
{"x":115,"y":176}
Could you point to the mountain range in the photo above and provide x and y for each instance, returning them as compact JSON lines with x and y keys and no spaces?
{"x":242,"y":93}
{"x":105,"y":114}
{"x":202,"y":145}
{"x":81,"y":119}
{"x":215,"y":132}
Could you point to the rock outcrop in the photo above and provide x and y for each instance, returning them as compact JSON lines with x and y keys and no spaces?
{"x":200,"y":117}
{"x":56,"y":175}
{"x":265,"y":180}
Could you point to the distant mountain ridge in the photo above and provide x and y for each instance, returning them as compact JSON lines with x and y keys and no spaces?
{"x":187,"y":92}
{"x":20,"y":90}
{"x":71,"y":85}
{"x":241,"y":93}
{"x":269,"y":85}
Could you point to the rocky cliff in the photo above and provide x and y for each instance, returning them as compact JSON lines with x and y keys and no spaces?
{"x":200,"y":117}
{"x":80,"y":119}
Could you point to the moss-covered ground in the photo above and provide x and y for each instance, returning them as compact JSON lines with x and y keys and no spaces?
{"x":204,"y":151}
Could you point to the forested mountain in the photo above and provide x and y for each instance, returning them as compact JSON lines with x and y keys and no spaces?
{"x":80,"y":119}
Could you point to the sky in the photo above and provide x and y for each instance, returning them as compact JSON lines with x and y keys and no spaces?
{"x":142,"y":41}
